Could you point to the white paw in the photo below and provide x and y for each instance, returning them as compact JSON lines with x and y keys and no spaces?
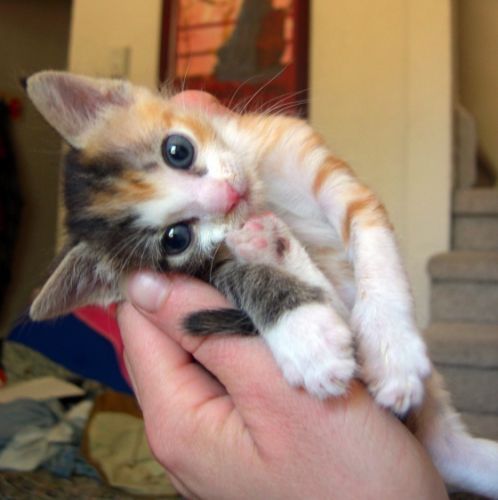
{"x":396,"y":377}
{"x":313,"y":348}
{"x":263,"y":239}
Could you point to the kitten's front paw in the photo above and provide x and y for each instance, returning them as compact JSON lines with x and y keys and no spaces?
{"x":263,"y":239}
{"x":313,"y":348}
{"x":395,"y":375}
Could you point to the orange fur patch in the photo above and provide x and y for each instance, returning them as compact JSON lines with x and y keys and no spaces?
{"x":131,"y":188}
{"x":271,"y":129}
{"x":326,"y":169}
{"x":367,"y":210}
{"x":201,"y":132}
{"x":312,"y":142}
{"x":149,"y":111}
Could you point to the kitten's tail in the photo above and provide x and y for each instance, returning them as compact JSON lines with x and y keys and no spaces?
{"x":465,"y":463}
{"x":219,"y":321}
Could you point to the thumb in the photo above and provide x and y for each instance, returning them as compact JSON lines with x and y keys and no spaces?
{"x":236,"y":361}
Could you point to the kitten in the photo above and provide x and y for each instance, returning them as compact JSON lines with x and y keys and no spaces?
{"x":258,"y":206}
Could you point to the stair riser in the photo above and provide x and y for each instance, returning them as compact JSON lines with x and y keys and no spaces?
{"x":472,"y":390}
{"x":475,"y":233}
{"x":464,"y":301}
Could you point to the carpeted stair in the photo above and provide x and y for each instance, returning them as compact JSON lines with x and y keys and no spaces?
{"x":463,"y":335}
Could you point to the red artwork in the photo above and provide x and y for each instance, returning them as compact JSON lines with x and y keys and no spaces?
{"x":251,"y":54}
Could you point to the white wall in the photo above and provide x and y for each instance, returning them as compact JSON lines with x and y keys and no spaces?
{"x":381,"y":95}
{"x":98,"y":27}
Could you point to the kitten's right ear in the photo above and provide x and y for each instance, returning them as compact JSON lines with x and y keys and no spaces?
{"x":73,"y":104}
{"x":75,"y":281}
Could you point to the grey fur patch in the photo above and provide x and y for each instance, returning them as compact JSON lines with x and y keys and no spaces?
{"x":263,"y":292}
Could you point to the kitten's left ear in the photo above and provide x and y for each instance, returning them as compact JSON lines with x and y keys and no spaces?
{"x":73,"y":104}
{"x":75,"y":281}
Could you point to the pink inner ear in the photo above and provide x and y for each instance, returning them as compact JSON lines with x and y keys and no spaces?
{"x":84,"y":99}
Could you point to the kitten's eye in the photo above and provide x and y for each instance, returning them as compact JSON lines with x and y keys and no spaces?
{"x":176,"y":239}
{"x":178,"y":151}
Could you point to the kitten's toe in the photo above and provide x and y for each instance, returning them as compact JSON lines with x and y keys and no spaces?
{"x":400,"y":395}
{"x":330,"y":379}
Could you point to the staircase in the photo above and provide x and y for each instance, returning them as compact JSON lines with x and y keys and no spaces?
{"x":463,"y":336}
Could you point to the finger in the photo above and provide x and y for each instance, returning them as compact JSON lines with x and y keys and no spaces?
{"x":242,"y":364}
{"x":167,"y":382}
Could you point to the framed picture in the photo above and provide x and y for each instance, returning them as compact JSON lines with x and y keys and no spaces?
{"x":251,"y":54}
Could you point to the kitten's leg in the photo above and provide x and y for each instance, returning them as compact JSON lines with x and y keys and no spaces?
{"x":392,"y":355}
{"x":309,"y":340}
{"x":464,"y":462}
{"x":266,"y":239}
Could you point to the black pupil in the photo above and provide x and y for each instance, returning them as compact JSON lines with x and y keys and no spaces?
{"x":176,"y":238}
{"x":178,"y":151}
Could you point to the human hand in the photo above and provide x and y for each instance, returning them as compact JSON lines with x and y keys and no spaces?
{"x":224,"y":424}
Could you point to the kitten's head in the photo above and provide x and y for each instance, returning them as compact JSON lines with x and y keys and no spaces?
{"x":148,"y":183}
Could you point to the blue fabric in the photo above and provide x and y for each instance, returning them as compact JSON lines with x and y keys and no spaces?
{"x":68,"y":461}
{"x":40,"y":433}
{"x":74,"y":345}
{"x":20,"y":413}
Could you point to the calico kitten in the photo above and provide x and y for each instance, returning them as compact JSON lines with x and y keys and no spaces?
{"x":258,"y":206}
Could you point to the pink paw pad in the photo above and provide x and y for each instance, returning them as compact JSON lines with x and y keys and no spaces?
{"x":260,"y":243}
{"x":264,"y":238}
{"x":254,"y":225}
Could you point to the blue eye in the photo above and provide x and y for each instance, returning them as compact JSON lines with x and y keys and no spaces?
{"x":176,"y":238}
{"x":178,"y":151}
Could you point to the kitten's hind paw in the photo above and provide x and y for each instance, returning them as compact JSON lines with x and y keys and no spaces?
{"x":313,"y":348}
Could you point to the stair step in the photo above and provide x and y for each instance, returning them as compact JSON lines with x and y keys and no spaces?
{"x":464,"y":287}
{"x":482,"y":425}
{"x":466,"y":355}
{"x":475,"y":233}
{"x":464,"y":265}
{"x":463,"y":344}
{"x":475,"y":221}
{"x":470,"y":302}
{"x":472,"y":390}
{"x":476,"y":201}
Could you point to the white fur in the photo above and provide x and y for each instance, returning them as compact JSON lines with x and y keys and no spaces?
{"x":313,"y":348}
{"x":466,"y":463}
{"x":393,"y":356}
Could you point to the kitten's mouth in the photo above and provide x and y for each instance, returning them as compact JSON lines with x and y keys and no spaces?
{"x":236,"y":199}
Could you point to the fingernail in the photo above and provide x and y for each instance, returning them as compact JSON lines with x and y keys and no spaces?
{"x":148,"y":291}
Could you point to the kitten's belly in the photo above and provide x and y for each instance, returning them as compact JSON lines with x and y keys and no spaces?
{"x":308,"y":225}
